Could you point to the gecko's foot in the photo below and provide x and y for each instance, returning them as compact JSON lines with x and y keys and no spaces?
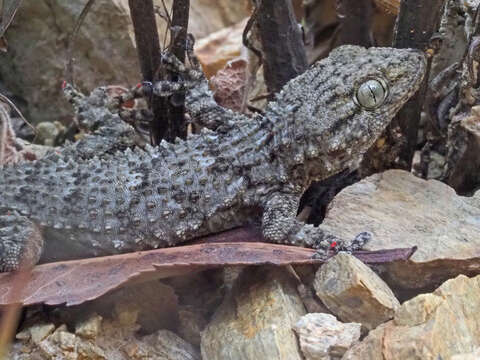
{"x":359,"y":241}
{"x":186,"y":78}
{"x":20,"y":241}
{"x":335,"y":247}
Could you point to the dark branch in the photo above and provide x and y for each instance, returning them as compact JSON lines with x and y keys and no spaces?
{"x":355,"y":17}
{"x":284,"y":55}
{"x":416,"y":23}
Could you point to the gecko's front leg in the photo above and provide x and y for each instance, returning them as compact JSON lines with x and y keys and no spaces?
{"x":279,"y":225}
{"x":21,"y":241}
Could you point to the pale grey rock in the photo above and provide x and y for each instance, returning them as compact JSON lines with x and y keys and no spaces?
{"x":353,"y":292}
{"x":473,"y":355}
{"x":463,"y":145}
{"x":100,"y":339}
{"x":166,"y":345}
{"x":403,"y":211}
{"x":256,"y":318}
{"x":323,"y":337}
{"x":434,"y":326}
{"x":33,"y":67}
{"x":90,"y":327}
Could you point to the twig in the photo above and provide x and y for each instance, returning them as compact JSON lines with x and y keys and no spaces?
{"x":17,"y":110}
{"x":174,"y":124}
{"x":69,"y":76}
{"x":168,"y":120}
{"x":416,"y":23}
{"x":8,"y":13}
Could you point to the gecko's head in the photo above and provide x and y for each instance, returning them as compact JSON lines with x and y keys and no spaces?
{"x":371,"y":85}
{"x":348,"y":99}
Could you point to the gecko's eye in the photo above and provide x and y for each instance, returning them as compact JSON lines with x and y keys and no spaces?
{"x":371,"y":93}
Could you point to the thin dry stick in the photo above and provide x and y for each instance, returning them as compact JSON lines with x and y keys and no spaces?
{"x":71,"y":42}
{"x":9,"y":9}
{"x":14,"y":107}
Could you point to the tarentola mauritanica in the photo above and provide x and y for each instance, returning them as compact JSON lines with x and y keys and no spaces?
{"x":236,"y":170}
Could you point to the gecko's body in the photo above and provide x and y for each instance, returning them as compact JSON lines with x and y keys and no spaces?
{"x":245,"y":169}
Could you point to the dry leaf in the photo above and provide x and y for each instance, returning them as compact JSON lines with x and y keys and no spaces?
{"x":74,"y":282}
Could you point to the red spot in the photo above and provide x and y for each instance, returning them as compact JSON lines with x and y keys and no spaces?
{"x":333,"y":244}
{"x":64,"y":84}
{"x":139,"y":85}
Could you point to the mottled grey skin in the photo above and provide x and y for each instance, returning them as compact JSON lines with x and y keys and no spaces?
{"x":247,"y":169}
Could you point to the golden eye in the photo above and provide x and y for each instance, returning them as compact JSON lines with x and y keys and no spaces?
{"x":371,"y":93}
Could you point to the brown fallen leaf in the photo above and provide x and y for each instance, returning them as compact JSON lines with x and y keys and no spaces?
{"x":76,"y":281}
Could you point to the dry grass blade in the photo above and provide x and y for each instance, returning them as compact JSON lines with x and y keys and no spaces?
{"x":9,"y":152}
{"x":9,"y":9}
{"x":71,"y":42}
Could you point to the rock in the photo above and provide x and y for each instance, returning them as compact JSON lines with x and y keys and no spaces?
{"x":256,"y":318}
{"x":169,"y":346}
{"x":217,"y":49}
{"x":90,"y":328}
{"x":98,"y":339}
{"x":310,"y":300}
{"x":323,"y":337}
{"x":152,"y":305}
{"x":47,"y":132}
{"x":402,"y":210}
{"x":463,"y":147}
{"x":229,"y":85}
{"x":38,"y":332}
{"x":353,"y":292}
{"x":33,"y":67}
{"x":104,"y":53}
{"x":428,"y":327}
{"x":474,"y":355}
{"x":191,"y":323}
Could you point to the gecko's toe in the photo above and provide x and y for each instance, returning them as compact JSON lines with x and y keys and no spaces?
{"x":360,"y":240}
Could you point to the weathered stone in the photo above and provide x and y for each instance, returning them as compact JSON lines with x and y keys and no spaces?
{"x":104,"y":52}
{"x":474,"y":355}
{"x":217,"y":49}
{"x":38,"y":332}
{"x":89,"y":328}
{"x":229,"y":85}
{"x":255,"y":320}
{"x":402,"y":210}
{"x":46,"y":132}
{"x":428,"y":327}
{"x":33,"y":67}
{"x":310,"y":300}
{"x":152,"y":305}
{"x":463,"y":146}
{"x":108,"y":339}
{"x":323,"y":337}
{"x":353,"y":292}
{"x":166,"y":345}
{"x":191,"y":323}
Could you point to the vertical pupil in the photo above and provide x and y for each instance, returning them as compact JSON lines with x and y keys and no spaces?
{"x":372,"y":92}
